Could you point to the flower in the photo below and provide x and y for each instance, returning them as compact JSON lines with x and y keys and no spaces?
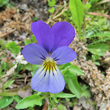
{"x":52,"y":50}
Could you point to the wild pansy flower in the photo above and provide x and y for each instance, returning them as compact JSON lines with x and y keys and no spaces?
{"x":52,"y":50}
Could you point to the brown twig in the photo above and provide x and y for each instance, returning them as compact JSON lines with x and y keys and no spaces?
{"x":60,"y":13}
{"x":104,"y":1}
{"x":53,"y":17}
{"x":99,"y":14}
{"x":45,"y":107}
{"x":5,"y":34}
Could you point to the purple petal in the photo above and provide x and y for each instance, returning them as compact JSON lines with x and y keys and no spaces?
{"x":34,"y":53}
{"x":63,"y":55}
{"x":48,"y":81}
{"x":56,"y":83}
{"x":43,"y":34}
{"x":64,"y":33}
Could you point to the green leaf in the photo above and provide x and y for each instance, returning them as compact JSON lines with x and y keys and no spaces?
{"x":53,"y":98}
{"x":52,"y":10}
{"x":64,"y":95}
{"x":95,"y":57}
{"x":75,"y":70}
{"x":87,"y":6}
{"x":34,"y":18}
{"x":3,"y":66}
{"x":77,"y":10}
{"x":99,"y":34}
{"x":29,"y":102}
{"x":3,"y":2}
{"x":61,"y":107}
{"x":17,"y":98}
{"x":71,"y":69}
{"x":32,"y":73}
{"x":2,"y":44}
{"x":13,"y":47}
{"x":85,"y":92}
{"x":61,"y":67}
{"x":93,"y":1}
{"x":98,"y":49}
{"x":97,"y":63}
{"x":33,"y":38}
{"x":8,"y":83}
{"x":51,"y":3}
{"x":27,"y":41}
{"x":5,"y":101}
{"x":74,"y":86}
{"x":64,"y":68}
{"x":18,"y":67}
{"x":30,"y":108}
{"x":31,"y":67}
{"x":0,"y":71}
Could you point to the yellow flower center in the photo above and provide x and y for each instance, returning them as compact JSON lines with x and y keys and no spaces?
{"x":49,"y":64}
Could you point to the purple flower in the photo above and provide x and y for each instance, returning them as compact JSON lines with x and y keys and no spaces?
{"x":52,"y":50}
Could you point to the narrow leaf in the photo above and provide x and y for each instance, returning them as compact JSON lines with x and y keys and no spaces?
{"x":98,"y":49}
{"x":17,"y":98}
{"x":5,"y":101}
{"x":8,"y":83}
{"x":77,"y":10}
{"x":71,"y":68}
{"x":75,"y":70}
{"x":74,"y":86}
{"x":64,"y":95}
{"x":29,"y":102}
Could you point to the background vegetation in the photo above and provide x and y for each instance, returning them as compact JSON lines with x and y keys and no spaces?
{"x":87,"y":77}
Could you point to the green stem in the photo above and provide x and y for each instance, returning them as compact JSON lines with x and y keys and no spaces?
{"x":84,"y":28}
{"x":79,"y":34}
{"x":47,"y":98}
{"x":8,"y":93}
{"x":2,"y":83}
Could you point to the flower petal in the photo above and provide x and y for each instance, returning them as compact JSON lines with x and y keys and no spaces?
{"x":48,"y":81}
{"x":43,"y":34}
{"x":63,"y":55}
{"x":64,"y":33}
{"x":56,"y":83}
{"x":34,"y":53}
